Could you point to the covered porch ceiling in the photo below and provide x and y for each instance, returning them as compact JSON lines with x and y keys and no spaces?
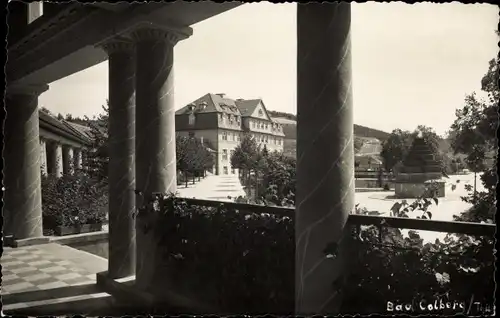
{"x":65,"y":44}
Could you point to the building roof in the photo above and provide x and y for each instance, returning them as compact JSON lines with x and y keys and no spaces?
{"x":219,"y":103}
{"x":61,"y":127}
{"x":83,"y":129}
{"x":247,"y":106}
{"x":210,"y":103}
{"x":284,"y":121}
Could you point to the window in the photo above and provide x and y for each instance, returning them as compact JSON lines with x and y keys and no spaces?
{"x":239,"y":137}
{"x":224,"y":154}
{"x":225,"y":170}
{"x":261,"y":112}
{"x":231,"y":153}
{"x":253,"y":124}
{"x":267,"y":139}
{"x":232,"y":171}
{"x":224,"y":135}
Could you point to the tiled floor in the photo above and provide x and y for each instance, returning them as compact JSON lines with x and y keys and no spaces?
{"x":41,"y":274}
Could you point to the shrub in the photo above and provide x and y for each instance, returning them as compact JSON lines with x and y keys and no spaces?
{"x":71,"y":200}
{"x":245,"y":261}
{"x":403,"y":270}
{"x":233,"y":259}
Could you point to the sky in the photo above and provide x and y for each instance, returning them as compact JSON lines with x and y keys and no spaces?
{"x":412,"y":64}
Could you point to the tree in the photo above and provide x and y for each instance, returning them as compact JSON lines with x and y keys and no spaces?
{"x":438,"y":146}
{"x":473,"y":133}
{"x":395,"y":148}
{"x":60,"y":116}
{"x":193,"y":158}
{"x":245,"y":155}
{"x":277,"y":185}
{"x":97,"y":159}
{"x":45,"y":110}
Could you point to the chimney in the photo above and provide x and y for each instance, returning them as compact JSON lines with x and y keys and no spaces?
{"x":221,"y":95}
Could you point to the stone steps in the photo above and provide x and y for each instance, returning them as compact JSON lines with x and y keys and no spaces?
{"x":81,"y":299}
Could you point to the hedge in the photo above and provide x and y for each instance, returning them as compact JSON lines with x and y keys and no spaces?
{"x":247,"y":260}
{"x":71,"y":200}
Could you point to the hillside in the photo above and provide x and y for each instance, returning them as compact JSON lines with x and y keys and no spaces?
{"x":289,"y":122}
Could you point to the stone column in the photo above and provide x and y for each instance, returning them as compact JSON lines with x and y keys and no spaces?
{"x":55,"y":159}
{"x":67,"y":156}
{"x":43,"y":156}
{"x":155,"y":130}
{"x":121,"y":261}
{"x":325,"y":155}
{"x":23,"y":195}
{"x":77,"y":156}
{"x":84,"y":155}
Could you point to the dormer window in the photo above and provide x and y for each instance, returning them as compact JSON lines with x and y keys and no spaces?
{"x":203,"y":105}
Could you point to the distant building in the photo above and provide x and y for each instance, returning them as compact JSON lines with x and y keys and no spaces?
{"x":220,"y":122}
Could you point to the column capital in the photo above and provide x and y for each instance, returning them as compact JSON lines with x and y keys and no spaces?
{"x":27,"y":90}
{"x":150,"y":31}
{"x":117,"y":44}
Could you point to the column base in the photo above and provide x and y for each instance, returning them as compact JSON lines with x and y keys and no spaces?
{"x":124,"y":291}
{"x":10,"y":241}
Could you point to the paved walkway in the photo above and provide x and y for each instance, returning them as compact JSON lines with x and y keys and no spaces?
{"x":448,"y":206}
{"x":50,"y":276}
{"x":214,"y":187}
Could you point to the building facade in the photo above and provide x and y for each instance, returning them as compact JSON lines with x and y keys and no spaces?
{"x":220,"y":123}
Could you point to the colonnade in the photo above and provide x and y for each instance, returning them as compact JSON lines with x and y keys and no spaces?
{"x":142,"y":148}
{"x":57,"y":158}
